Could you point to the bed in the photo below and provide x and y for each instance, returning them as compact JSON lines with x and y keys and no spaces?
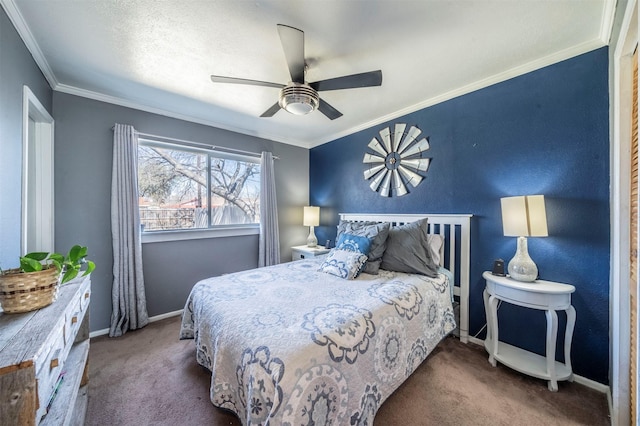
{"x":294,"y":344}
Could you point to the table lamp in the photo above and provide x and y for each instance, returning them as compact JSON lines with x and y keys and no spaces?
{"x":311,"y":218}
{"x":523,"y":217}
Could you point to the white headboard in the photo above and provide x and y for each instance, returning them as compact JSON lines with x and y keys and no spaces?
{"x":455,"y":253}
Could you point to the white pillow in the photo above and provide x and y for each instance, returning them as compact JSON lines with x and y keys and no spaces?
{"x":343,"y":263}
{"x":435,"y":242}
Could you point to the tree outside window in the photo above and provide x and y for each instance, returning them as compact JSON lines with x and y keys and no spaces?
{"x":184,"y":188}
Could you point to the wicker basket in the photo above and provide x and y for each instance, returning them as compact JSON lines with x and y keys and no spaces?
{"x":28,"y":291}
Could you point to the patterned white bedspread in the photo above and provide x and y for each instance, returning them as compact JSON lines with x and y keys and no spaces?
{"x":288,"y":345}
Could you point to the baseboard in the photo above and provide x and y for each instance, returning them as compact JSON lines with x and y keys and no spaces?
{"x":592,"y":384}
{"x":610,"y":402}
{"x":477,"y":341}
{"x":98,"y":333}
{"x":152,"y":319}
{"x":166,"y":315}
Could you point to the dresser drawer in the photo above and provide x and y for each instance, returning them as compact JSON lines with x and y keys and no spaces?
{"x":305,"y":252}
{"x":85,"y":297}
{"x":48,"y":370}
{"x":72,"y":318}
{"x":75,"y":313}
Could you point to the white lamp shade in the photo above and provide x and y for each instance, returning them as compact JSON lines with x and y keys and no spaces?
{"x":311,"y":216}
{"x":524,"y":216}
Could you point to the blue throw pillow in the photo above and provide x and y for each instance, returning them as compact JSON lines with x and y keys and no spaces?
{"x":377,"y":232}
{"x":352,"y":242}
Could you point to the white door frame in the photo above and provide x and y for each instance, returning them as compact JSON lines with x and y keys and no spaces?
{"x":621,"y":90}
{"x":38,"y":206}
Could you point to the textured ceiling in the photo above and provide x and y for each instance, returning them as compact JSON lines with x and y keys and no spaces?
{"x":158,"y":55}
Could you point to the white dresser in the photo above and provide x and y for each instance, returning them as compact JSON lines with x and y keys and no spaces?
{"x":43,"y":360}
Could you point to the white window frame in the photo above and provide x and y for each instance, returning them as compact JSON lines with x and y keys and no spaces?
{"x":218,"y":231}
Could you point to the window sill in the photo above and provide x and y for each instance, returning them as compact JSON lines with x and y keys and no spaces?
{"x":196,"y":234}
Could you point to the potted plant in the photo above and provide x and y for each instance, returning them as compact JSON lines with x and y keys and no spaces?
{"x":70,"y":265}
{"x":35,"y":283}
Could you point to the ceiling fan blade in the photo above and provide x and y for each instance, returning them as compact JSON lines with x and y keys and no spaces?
{"x":292,"y":40}
{"x":365,"y":79}
{"x":271,"y":111}
{"x":328,"y":110}
{"x":233,"y":80}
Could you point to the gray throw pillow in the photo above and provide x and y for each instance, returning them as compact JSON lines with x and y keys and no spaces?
{"x":377,"y":232}
{"x":408,"y":250}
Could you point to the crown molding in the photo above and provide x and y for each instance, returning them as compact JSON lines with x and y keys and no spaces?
{"x":72,"y":90}
{"x":480,"y":84}
{"x":608,"y":17}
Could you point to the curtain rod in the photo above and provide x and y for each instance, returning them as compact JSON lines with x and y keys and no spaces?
{"x":198,"y":144}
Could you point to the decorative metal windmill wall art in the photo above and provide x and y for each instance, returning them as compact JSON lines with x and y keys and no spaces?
{"x":396,"y":161}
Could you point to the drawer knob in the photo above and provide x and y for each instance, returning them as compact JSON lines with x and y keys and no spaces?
{"x":86,"y":295}
{"x":54,"y":361}
{"x":74,"y":319}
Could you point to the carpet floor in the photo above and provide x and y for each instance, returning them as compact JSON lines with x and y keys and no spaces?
{"x":149,"y":377}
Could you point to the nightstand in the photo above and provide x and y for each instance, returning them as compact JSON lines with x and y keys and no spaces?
{"x":305,"y":252}
{"x":547,"y":296}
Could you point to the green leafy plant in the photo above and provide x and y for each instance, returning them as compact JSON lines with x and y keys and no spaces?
{"x":70,"y":265}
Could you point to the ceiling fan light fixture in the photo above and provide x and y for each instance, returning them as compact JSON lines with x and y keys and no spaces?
{"x":299,"y":99}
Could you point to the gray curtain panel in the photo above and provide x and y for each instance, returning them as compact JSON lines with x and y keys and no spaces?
{"x":127,"y":294}
{"x":269,"y":247}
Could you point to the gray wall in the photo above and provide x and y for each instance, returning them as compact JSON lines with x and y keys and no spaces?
{"x":83,"y":158}
{"x":17,"y":68}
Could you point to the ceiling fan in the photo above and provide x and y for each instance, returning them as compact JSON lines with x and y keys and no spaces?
{"x":299,"y":97}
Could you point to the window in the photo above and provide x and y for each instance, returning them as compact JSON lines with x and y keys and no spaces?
{"x":184,"y":188}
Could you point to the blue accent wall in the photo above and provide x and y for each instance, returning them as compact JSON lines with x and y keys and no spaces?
{"x":546,"y":132}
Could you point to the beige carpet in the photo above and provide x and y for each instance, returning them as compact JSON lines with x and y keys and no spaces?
{"x":149,"y":377}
